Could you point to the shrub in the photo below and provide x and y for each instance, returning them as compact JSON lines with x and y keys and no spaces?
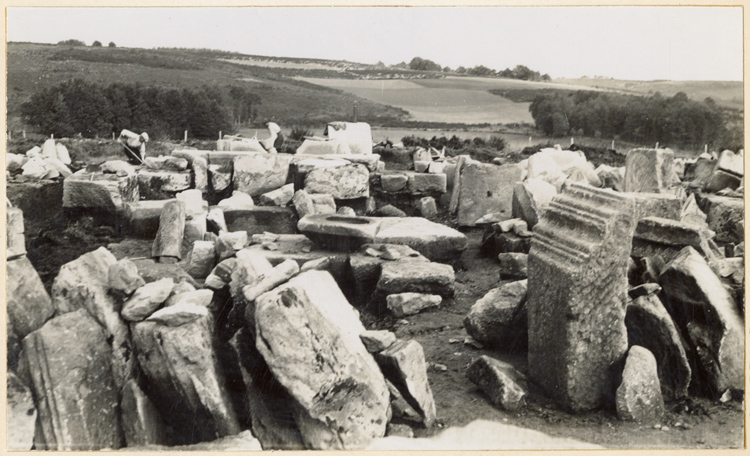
{"x":71,"y":43}
{"x":112,"y":44}
{"x":96,"y":44}
{"x":479,"y":141}
{"x":497,"y":142}
{"x":298,"y":133}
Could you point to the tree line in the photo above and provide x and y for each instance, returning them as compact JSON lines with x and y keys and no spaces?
{"x":94,"y":110}
{"x":675,"y":120}
{"x":519,"y":72}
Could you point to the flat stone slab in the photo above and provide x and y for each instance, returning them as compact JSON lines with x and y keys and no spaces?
{"x":258,"y":219}
{"x":338,"y":232}
{"x":256,"y":174}
{"x":433,"y":240}
{"x":99,"y":191}
{"x":142,"y":217}
{"x":485,"y":188}
{"x":162,"y":184}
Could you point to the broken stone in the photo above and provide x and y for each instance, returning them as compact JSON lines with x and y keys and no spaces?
{"x":342,"y":182}
{"x":200,"y":174}
{"x":663,"y":205}
{"x":339,"y":233}
{"x":238,"y":200}
{"x":499,"y":318}
{"x":726,"y":217}
{"x":611,"y":177}
{"x":160,"y":184}
{"x":389,"y":210}
{"x":421,"y":166}
{"x":530,"y":198}
{"x":721,"y":180}
{"x":270,"y":280}
{"x":73,"y":384}
{"x":279,"y":197}
{"x":416,"y":277}
{"x":256,"y":174}
{"x":84,"y":284}
{"x":168,"y":242}
{"x":377,"y":340}
{"x":393,"y":182}
{"x":341,"y":400}
{"x":433,"y":240}
{"x":513,"y":265}
{"x":485,"y":188}
{"x":202,"y":259}
{"x":324,"y":203}
{"x":166,"y":163}
{"x":320,"y":264}
{"x":28,"y":304}
{"x":648,"y":170}
{"x":58,"y":166}
{"x":666,"y":238}
{"x":190,"y":298}
{"x":98,"y":191}
{"x":143,"y":217}
{"x":731,"y":163}
{"x":427,"y":207}
{"x":424,"y":183}
{"x":178,"y":314}
{"x":21,"y":416}
{"x":258,"y":219}
{"x":152,"y":271}
{"x":503,"y":385}
{"x":147,"y":299}
{"x":237,"y":240}
{"x":650,"y":326}
{"x":220,"y":176}
{"x":346,"y":211}
{"x":62,"y":153}
{"x":404,"y":304}
{"x":183,"y":371}
{"x":123,"y":277}
{"x":639,"y":396}
{"x":14,"y":162}
{"x":141,"y":422}
{"x":303,"y":203}
{"x":194,"y":204}
{"x":688,"y":282}
{"x":403,"y":364}
{"x":578,"y":266}
{"x":195,"y":228}
{"x":691,"y":213}
{"x":215,"y":221}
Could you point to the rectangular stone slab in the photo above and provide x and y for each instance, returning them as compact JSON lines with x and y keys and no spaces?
{"x":648,"y":170}
{"x":256,"y":220}
{"x":485,"y":188}
{"x":99,"y":191}
{"x":256,"y":174}
{"x":433,"y":240}
{"x":155,"y":185}
{"x":577,"y":290}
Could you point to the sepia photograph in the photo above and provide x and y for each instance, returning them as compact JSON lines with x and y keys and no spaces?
{"x":406,"y":227}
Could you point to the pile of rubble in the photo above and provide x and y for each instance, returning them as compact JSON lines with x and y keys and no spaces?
{"x":634,"y":292}
{"x":47,"y":162}
{"x":234,"y":304}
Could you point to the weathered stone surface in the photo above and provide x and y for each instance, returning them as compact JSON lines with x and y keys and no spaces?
{"x":99,"y":191}
{"x":726,"y":216}
{"x":238,"y":200}
{"x":639,"y":396}
{"x":365,"y":269}
{"x":339,"y":233}
{"x":648,"y":170}
{"x":178,"y":314}
{"x":377,"y":340}
{"x":142,"y":217}
{"x":485,"y":188}
{"x":513,"y":265}
{"x":666,"y":238}
{"x":270,"y":280}
{"x":194,"y":203}
{"x":202,"y":259}
{"x":256,"y":174}
{"x":530,"y":198}
{"x":200,"y":298}
{"x":393,"y":182}
{"x":280,"y":220}
{"x":721,"y":180}
{"x":167,"y":163}
{"x":577,"y":292}
{"x":161,"y":184}
{"x":220,"y":176}
{"x":303,"y":203}
{"x":28,"y":304}
{"x":188,"y":384}
{"x":73,"y":383}
{"x":21,"y":415}
{"x":499,"y":318}
{"x":308,"y":335}
{"x":691,"y":213}
{"x":423,"y":183}
{"x":195,"y":228}
{"x":119,"y":167}
{"x":123,"y":277}
{"x":215,"y":221}
{"x":650,"y":326}
{"x":501,"y":382}
{"x":84,"y":284}
{"x":389,"y":210}
{"x":342,"y":182}
{"x":147,"y":299}
{"x":433,"y":240}
{"x":427,"y":207}
{"x":279,"y":197}
{"x":403,"y":364}
{"x":691,"y":286}
{"x":403,"y":304}
{"x":152,"y":271}
{"x":237,"y":240}
{"x":16,"y":241}
{"x":141,"y":422}
{"x":168,"y":241}
{"x":662,"y":205}
{"x":416,"y":277}
{"x":200,"y":174}
{"x":324,"y":203}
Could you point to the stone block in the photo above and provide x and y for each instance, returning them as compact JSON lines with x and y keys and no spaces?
{"x":377,"y":340}
{"x":200,"y":174}
{"x":339,"y":233}
{"x":279,"y":197}
{"x":639,"y":396}
{"x":433,"y":240}
{"x":577,"y":292}
{"x":500,"y":319}
{"x":259,"y":219}
{"x":721,"y":180}
{"x":661,"y":205}
{"x":513,"y":265}
{"x":16,"y":241}
{"x":97,"y":191}
{"x":168,"y":163}
{"x":731,"y":163}
{"x":342,"y":182}
{"x":220,"y":176}
{"x":427,"y":207}
{"x":28,"y":305}
{"x":666,"y":238}
{"x":501,"y":382}
{"x":415,"y":277}
{"x":425,"y":183}
{"x":393,"y":182}
{"x":530,"y":198}
{"x":485,"y":188}
{"x":168,"y":241}
{"x":648,"y":170}
{"x":160,"y":184}
{"x":404,"y":304}
{"x":256,"y":174}
{"x":726,"y":217}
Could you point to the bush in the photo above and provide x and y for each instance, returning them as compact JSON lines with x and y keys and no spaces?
{"x":497,"y":142}
{"x":96,"y":44}
{"x":298,"y":133}
{"x":71,"y":43}
{"x":112,"y":44}
{"x":479,"y":141}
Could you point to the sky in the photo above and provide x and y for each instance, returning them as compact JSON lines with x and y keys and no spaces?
{"x":640,"y":43}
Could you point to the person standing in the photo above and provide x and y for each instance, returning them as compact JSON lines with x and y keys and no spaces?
{"x":273,"y":143}
{"x":134,"y":146}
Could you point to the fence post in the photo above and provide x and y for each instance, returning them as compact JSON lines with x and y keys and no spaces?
{"x":572,"y":140}
{"x":185,"y":136}
{"x":657,"y":145}
{"x":24,"y":133}
{"x":219,"y":134}
{"x":613,"y":145}
{"x":52,"y":136}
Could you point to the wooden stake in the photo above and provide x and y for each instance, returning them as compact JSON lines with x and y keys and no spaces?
{"x":185,"y":136}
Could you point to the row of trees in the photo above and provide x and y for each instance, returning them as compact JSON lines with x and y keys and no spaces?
{"x":93,"y":110}
{"x":519,"y":72}
{"x":673,"y":120}
{"x":81,"y":43}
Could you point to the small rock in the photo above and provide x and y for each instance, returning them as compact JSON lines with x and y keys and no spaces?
{"x":373,"y":252}
{"x":178,"y":315}
{"x":389,"y":211}
{"x":504,"y":385}
{"x":215,"y":221}
{"x":202,"y":259}
{"x":639,"y":395}
{"x":399,"y":430}
{"x":427,"y":207}
{"x":147,"y":299}
{"x":279,"y":197}
{"x":513,"y":265}
{"x":237,"y":200}
{"x":124,"y":278}
{"x":377,"y":341}
{"x":439,"y":367}
{"x":390,"y":253}
{"x":454,"y":341}
{"x":404,"y":304}
{"x":470,"y":341}
{"x":200,"y":298}
{"x":237,"y":240}
{"x":347,"y":211}
{"x":270,"y":246}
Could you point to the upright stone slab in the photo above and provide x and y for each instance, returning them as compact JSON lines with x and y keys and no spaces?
{"x":28,"y":304}
{"x":168,"y":242}
{"x":99,"y":191}
{"x":577,"y":290}
{"x":485,"y":188}
{"x":16,"y":240}
{"x":256,"y":174}
{"x":21,"y":415}
{"x":162,"y":184}
{"x":648,"y":170}
{"x":73,"y":383}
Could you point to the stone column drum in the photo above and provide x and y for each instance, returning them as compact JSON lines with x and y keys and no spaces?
{"x":577,"y":290}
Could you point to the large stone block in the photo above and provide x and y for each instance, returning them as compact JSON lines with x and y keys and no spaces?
{"x":485,"y":188}
{"x":256,"y":174}
{"x":28,"y":305}
{"x":638,"y":397}
{"x":693,"y":288}
{"x":666,"y":238}
{"x":161,"y":184}
{"x":16,"y":240}
{"x":21,"y":415}
{"x":339,"y":233}
{"x":661,"y":205}
{"x":530,"y":198}
{"x":648,"y":170}
{"x":342,"y":182}
{"x":577,"y":292}
{"x":725,"y":216}
{"x":308,"y":334}
{"x":258,"y":219}
{"x":499,"y":319}
{"x":73,"y":383}
{"x":99,"y":191}
{"x":433,"y":240}
{"x":168,"y":241}
{"x":419,"y":183}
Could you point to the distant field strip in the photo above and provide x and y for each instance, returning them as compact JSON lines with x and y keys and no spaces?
{"x":279,"y":64}
{"x":457,"y":100}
